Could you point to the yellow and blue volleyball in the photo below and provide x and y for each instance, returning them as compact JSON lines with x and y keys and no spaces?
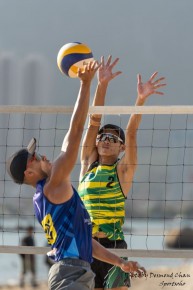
{"x":73,"y":56}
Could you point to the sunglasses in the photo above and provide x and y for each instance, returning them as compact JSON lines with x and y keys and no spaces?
{"x":111,"y":137}
{"x":35,"y":156}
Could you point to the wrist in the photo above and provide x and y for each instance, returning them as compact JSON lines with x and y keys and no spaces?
{"x":140,"y":101}
{"x":121,"y":263}
{"x":103,"y":84}
{"x":85,"y":82}
{"x":94,"y":120}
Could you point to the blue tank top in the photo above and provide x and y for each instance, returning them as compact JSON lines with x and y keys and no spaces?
{"x":67,"y":226}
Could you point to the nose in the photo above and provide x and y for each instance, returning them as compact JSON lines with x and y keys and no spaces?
{"x":107,"y":140}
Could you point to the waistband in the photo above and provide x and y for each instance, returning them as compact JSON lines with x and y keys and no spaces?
{"x":106,"y":240}
{"x":74,"y":262}
{"x":111,"y":243}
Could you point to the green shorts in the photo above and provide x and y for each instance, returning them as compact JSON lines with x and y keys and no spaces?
{"x":107,"y":275}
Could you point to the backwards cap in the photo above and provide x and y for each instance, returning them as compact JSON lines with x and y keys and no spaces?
{"x":116,"y":128}
{"x":17,"y":163}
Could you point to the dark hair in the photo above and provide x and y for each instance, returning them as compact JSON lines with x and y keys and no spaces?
{"x":116,"y":128}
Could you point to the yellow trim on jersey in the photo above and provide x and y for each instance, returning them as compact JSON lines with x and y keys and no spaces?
{"x":101,"y":193}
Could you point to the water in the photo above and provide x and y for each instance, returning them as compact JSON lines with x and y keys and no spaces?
{"x":150,"y":235}
{"x":10,"y":264}
{"x":139,"y":234}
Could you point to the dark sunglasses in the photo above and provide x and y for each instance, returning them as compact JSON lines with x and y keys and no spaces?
{"x":111,"y":137}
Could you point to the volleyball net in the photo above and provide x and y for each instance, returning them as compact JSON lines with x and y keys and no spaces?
{"x":159,"y":207}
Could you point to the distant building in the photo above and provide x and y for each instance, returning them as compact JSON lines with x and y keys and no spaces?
{"x":8,"y":79}
{"x":35,"y":81}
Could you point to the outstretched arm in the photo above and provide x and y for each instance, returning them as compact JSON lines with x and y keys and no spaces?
{"x":101,"y":253}
{"x":59,"y":181}
{"x":89,"y":152}
{"x":127,"y":165}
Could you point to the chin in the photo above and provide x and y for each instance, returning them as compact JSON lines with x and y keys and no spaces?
{"x":44,"y":174}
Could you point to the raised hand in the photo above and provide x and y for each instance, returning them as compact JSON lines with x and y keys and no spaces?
{"x":87,"y":73}
{"x":150,"y":87}
{"x":105,"y":73}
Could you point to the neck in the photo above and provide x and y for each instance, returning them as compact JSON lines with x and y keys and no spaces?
{"x":34,"y":182}
{"x":107,"y":160}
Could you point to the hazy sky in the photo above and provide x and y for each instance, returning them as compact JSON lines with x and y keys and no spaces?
{"x":147,"y":35}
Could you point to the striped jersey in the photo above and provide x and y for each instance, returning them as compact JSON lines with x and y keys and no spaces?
{"x":67,"y":225}
{"x":102,"y":195}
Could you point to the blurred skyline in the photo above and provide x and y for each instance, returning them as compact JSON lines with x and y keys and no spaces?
{"x":147,"y":36}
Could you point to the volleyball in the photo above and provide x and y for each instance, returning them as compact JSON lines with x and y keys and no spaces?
{"x":73,"y":56}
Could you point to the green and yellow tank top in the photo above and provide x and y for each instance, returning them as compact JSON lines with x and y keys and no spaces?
{"x":102,"y":195}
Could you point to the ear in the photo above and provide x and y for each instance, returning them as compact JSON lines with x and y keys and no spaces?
{"x":122,"y":148}
{"x":28,"y":173}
